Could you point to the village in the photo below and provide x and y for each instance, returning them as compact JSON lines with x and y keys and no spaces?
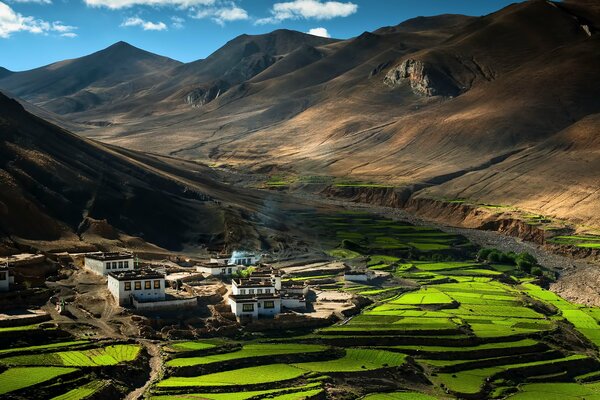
{"x":233,"y":290}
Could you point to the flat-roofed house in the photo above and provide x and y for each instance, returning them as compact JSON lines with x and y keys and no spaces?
{"x":103,"y":263}
{"x":254,"y":298}
{"x":143,"y":285}
{"x":5,"y":278}
{"x":218,"y":269}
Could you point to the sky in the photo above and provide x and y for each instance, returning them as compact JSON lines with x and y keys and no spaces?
{"x":34,"y":33}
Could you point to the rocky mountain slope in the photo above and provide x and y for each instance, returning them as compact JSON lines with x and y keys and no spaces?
{"x":61,"y":191}
{"x":501,"y":108}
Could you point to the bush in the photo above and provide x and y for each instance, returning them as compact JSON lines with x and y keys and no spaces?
{"x":483,"y":254}
{"x":537,"y":271}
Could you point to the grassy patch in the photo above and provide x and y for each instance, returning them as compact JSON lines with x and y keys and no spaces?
{"x":109,"y":355}
{"x":243,"y":376}
{"x":19,"y":378}
{"x":250,"y":350}
{"x":357,"y":360}
{"x":82,"y":392}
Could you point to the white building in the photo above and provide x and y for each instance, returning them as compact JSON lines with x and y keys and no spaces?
{"x":262,"y":294}
{"x":143,"y":285}
{"x":236,"y":258}
{"x":103,"y":263}
{"x":5,"y":279}
{"x":217,"y":269}
{"x":253,"y":298}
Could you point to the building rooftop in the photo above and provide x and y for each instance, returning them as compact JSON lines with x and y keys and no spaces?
{"x":145,"y":273}
{"x":249,"y":282}
{"x":110,"y":256}
{"x":240,"y":298}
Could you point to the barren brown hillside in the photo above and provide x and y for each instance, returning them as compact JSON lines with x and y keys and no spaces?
{"x":450,"y":105}
{"x":60,"y":191}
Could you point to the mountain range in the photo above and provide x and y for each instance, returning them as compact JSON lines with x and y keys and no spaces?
{"x":500,"y":109}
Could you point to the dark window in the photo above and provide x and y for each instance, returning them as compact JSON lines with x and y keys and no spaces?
{"x":126,"y":263}
{"x":2,"y":276}
{"x":127,"y":286}
{"x":223,"y":271}
{"x":248,"y":307}
{"x":148,"y":285}
{"x":269,"y":304}
{"x":120,"y":264}
{"x":229,"y":271}
{"x":138,"y":285}
{"x":156,"y":284}
{"x":107,"y":265}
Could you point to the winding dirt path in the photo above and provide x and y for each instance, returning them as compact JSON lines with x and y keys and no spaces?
{"x":155,"y":364}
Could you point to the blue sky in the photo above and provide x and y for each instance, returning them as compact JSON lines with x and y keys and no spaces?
{"x":38,"y":32}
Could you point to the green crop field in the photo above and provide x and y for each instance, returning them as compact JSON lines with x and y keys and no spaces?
{"x":240,"y":395}
{"x":473,"y":329}
{"x":82,"y":392}
{"x":191,"y":346}
{"x":357,"y":360}
{"x":558,"y":391}
{"x":19,"y":378}
{"x":398,"y":396}
{"x":44,"y":347}
{"x":109,"y":355}
{"x":250,"y":350}
{"x":239,"y":377}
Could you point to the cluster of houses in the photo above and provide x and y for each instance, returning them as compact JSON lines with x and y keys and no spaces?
{"x":261,"y":294}
{"x":127,"y":284}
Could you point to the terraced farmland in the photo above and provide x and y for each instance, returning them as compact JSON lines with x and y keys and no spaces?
{"x":19,"y":378}
{"x":109,"y":355}
{"x":62,"y":370}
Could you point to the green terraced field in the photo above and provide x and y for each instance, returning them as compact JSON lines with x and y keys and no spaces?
{"x":558,"y":391}
{"x":471,"y":381}
{"x":19,"y":378}
{"x":82,"y":392}
{"x":398,"y":396}
{"x":249,"y":350}
{"x":109,"y":355}
{"x":243,"y":376}
{"x":473,"y":328}
{"x":44,"y":347}
{"x":357,"y":360}
{"x":242,"y":395}
{"x":191,"y":346}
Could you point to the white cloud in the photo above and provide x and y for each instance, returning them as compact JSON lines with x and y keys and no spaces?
{"x":116,"y":4}
{"x":69,"y":35}
{"x":33,"y":1}
{"x":319,"y":32}
{"x":177,"y":22}
{"x":308,"y":9}
{"x":220,"y":15}
{"x":12,"y":22}
{"x":58,"y":26}
{"x":145,"y":25}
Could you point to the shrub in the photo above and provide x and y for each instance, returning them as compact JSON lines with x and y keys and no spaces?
{"x":537,"y":271}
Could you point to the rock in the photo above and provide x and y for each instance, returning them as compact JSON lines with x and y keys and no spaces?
{"x":204,"y":95}
{"x":424,"y":79}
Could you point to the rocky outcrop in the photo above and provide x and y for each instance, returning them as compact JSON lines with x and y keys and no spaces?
{"x":424,"y":79}
{"x":204,"y":95}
